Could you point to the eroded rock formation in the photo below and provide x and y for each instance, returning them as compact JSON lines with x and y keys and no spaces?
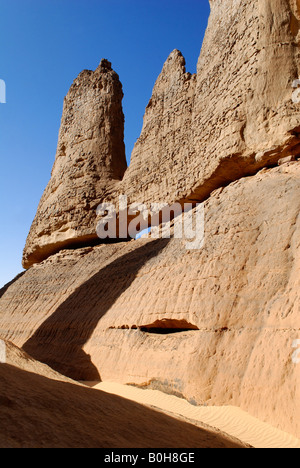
{"x":215,"y":325}
{"x":233,"y":118}
{"x":90,"y":159}
{"x":235,"y":305}
{"x":200,"y":132}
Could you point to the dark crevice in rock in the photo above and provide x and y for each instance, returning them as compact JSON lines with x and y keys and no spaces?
{"x":168,"y":326}
{"x":161,"y":327}
{"x":165,"y":331}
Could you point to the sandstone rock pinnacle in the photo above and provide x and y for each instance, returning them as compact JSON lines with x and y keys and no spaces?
{"x":231,"y":119}
{"x":90,"y":159}
{"x":200,"y":132}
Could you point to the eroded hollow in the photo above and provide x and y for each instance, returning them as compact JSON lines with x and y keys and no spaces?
{"x":168,"y":326}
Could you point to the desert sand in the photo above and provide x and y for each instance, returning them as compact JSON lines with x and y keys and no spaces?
{"x":227,"y":419}
{"x":41,"y":409}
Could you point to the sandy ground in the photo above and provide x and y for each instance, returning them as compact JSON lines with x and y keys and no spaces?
{"x":227,"y":419}
{"x":40,"y":408}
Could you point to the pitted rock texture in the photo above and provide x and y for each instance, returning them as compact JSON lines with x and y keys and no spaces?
{"x":95,"y":313}
{"x":90,"y":159}
{"x":200,"y":132}
{"x":234,"y":117}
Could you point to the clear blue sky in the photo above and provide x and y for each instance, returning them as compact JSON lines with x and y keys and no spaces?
{"x":45,"y":44}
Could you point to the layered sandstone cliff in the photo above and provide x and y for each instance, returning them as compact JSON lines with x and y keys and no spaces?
{"x":232,"y":118}
{"x":30,"y":391}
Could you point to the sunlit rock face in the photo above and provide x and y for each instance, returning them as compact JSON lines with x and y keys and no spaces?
{"x":215,"y":325}
{"x":90,"y":159}
{"x":232,"y":118}
{"x":200,"y":132}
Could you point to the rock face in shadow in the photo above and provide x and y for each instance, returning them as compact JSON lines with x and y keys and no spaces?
{"x":233,"y":306}
{"x":90,"y":159}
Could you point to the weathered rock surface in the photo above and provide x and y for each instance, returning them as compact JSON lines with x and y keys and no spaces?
{"x":234,"y":117}
{"x":94,"y":313}
{"x":215,"y":325}
{"x":90,"y":159}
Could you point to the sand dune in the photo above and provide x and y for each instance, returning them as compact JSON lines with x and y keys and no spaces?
{"x":228,"y":419}
{"x":40,"y":408}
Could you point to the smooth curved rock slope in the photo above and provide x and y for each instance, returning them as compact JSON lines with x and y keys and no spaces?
{"x":216,"y":325}
{"x":90,"y":313}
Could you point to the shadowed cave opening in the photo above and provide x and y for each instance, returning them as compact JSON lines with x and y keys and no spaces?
{"x":161,"y":327}
{"x":168,"y":326}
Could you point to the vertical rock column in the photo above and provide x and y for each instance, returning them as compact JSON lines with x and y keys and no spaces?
{"x":90,"y":159}
{"x":235,"y":117}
